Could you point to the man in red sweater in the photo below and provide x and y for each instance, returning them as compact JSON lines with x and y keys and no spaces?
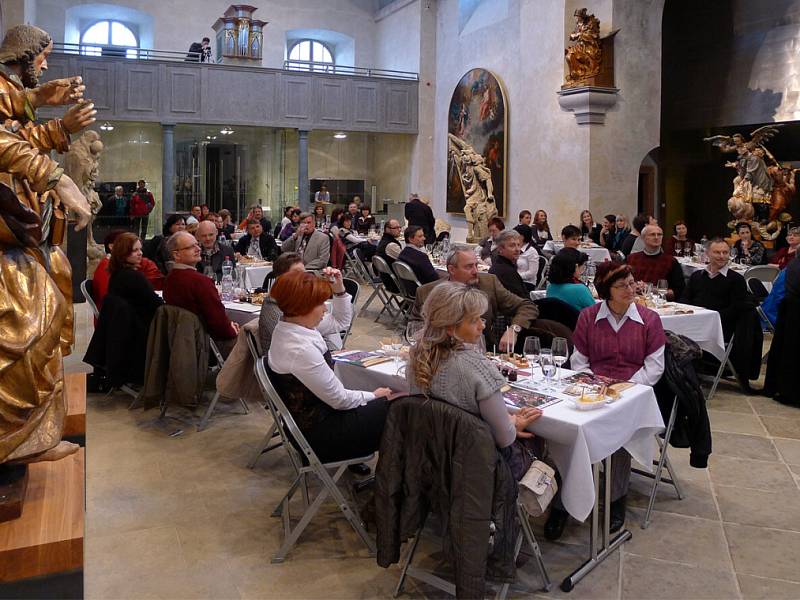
{"x":187,"y":288}
{"x":653,"y":264}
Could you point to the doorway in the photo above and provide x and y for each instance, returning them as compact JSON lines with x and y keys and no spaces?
{"x":224,"y":185}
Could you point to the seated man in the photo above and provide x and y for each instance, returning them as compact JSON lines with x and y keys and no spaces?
{"x":504,"y":265}
{"x":571,"y":236}
{"x":313,"y":246}
{"x":389,"y":246}
{"x":194,"y":215}
{"x":415,"y":257}
{"x":489,"y":245}
{"x":653,"y":264}
{"x":462,"y":266}
{"x":724,"y":290}
{"x":212,"y":254}
{"x":256,"y":242}
{"x":186,"y":288}
{"x":336,"y":320}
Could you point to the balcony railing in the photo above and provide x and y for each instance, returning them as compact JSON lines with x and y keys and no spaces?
{"x":133,"y":53}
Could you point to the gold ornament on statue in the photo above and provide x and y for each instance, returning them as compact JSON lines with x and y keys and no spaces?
{"x":35,"y":276}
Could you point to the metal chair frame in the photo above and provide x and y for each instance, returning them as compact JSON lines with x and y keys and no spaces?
{"x":544,"y":273}
{"x":722,"y":364}
{"x":266,"y":444}
{"x":213,"y":404}
{"x":396,"y":301}
{"x":306,"y":462}
{"x":374,"y":281}
{"x":405,"y":275}
{"x":763,"y":273}
{"x":525,"y":535}
{"x":660,"y":464}
{"x":356,"y":288}
{"x":85,"y":284}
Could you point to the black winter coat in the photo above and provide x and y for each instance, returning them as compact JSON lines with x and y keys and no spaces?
{"x":436,"y":457}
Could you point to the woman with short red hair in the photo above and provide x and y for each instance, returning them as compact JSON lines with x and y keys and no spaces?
{"x":338,"y":423}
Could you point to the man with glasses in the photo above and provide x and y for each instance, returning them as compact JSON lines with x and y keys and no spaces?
{"x":389,"y":246}
{"x":186,"y":288}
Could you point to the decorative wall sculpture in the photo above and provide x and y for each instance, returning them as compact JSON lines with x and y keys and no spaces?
{"x":239,"y":35}
{"x":590,"y":60}
{"x":476,"y":155}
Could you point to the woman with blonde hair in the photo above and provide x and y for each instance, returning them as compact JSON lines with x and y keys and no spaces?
{"x":446,"y":363}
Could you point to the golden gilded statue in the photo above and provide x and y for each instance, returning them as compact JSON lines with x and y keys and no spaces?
{"x":35,"y":277}
{"x":585,"y":56}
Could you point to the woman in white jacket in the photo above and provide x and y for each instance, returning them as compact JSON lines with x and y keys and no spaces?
{"x":528,"y":261}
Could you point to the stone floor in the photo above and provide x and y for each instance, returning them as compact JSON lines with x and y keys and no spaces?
{"x":182,"y":517}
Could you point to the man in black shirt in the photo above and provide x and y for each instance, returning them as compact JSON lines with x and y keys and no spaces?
{"x":389,"y":246}
{"x":415,"y":257}
{"x":504,"y":264}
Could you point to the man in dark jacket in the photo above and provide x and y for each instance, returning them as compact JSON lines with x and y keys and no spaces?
{"x":212,"y":253}
{"x":414,"y":255}
{"x":389,"y":247}
{"x":420,"y":214}
{"x":504,"y":264}
{"x":257,"y":238}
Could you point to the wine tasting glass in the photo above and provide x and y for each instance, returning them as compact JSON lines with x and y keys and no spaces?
{"x":663,"y":289}
{"x":560,"y":354}
{"x":531,"y":349}
{"x":413,"y":332}
{"x":733,"y":254}
{"x":548,"y":368}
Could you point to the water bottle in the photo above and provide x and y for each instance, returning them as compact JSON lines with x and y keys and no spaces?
{"x":227,"y":267}
{"x":227,"y":286}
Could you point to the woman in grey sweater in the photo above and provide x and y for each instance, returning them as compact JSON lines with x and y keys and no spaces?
{"x":446,"y":364}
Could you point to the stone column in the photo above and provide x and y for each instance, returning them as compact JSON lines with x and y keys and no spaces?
{"x":168,"y":170}
{"x":302,"y":169}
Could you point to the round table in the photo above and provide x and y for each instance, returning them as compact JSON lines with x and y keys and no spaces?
{"x":595,"y":253}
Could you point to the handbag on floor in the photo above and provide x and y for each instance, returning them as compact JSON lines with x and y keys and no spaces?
{"x":537,"y":488}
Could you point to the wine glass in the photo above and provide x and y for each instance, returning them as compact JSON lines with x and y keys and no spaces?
{"x":733,"y":254}
{"x":414,"y":332}
{"x":560,"y":352}
{"x":394,"y":343}
{"x":531,"y":349}
{"x":662,"y":290}
{"x":548,"y":368}
{"x":208,"y":271}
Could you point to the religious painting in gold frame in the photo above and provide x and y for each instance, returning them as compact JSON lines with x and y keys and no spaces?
{"x":478,"y":116}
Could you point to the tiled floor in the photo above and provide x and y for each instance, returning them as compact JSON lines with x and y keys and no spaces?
{"x":182,"y":517}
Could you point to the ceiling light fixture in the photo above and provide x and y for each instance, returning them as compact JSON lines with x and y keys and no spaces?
{"x":107,"y":126}
{"x":226,"y":131}
{"x":340,"y":135}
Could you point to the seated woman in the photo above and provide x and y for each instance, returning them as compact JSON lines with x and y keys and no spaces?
{"x":589,"y":228}
{"x":446,"y":364}
{"x":289,"y":229}
{"x":619,"y":339}
{"x":156,"y":247}
{"x":227,"y":226}
{"x":785,"y":255}
{"x":320,"y":218}
{"x":748,"y":251}
{"x":528,"y":261}
{"x":365,"y":220}
{"x":102,"y":275}
{"x":351,"y":239}
{"x":679,"y":244}
{"x":121,"y":353}
{"x":565,"y":284}
{"x":338,"y":319}
{"x":339,"y":424}
{"x":541,"y":229}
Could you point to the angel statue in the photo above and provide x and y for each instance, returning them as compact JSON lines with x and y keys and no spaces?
{"x":82,"y":164}
{"x":35,"y":276}
{"x":753,"y":185}
{"x":584,"y":57}
{"x":476,"y":183}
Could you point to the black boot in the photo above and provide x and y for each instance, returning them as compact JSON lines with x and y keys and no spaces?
{"x":554,"y":527}
{"x":617,"y":514}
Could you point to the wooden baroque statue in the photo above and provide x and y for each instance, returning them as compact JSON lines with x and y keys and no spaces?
{"x":584,"y":57}
{"x":476,"y":183}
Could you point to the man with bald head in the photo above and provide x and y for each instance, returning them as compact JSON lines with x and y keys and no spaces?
{"x":212,"y":254}
{"x":652,"y":264}
{"x":186,"y":288}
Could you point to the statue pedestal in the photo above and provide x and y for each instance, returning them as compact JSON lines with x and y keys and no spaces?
{"x":13,"y":484}
{"x":589,"y":103}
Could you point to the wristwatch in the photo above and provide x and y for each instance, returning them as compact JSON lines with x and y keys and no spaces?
{"x":516,"y":328}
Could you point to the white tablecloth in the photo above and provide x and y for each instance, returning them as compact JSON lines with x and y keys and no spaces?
{"x":254,"y":276}
{"x":576,"y":439}
{"x":689,"y":266}
{"x":241,"y":312}
{"x":702,"y":326}
{"x":595,"y":253}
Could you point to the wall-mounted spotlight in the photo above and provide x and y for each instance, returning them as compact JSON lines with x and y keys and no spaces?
{"x":106,"y":126}
{"x":340,"y":135}
{"x":226,"y":131}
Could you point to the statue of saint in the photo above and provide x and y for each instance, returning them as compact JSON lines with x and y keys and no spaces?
{"x":476,"y":183}
{"x":35,"y":277}
{"x":584,"y":57}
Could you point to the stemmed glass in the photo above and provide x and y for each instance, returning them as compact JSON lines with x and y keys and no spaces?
{"x":395,"y":343}
{"x":531,"y":349}
{"x":560,"y":354}
{"x":414,"y":332}
{"x":662,"y":291}
{"x":548,"y":368}
{"x":733,"y":254}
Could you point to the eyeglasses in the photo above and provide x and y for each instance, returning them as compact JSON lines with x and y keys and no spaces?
{"x":195,"y":245}
{"x":623,"y":285}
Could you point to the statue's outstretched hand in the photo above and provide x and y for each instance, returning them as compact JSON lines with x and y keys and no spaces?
{"x":79,"y":116}
{"x":58,"y":92}
{"x":72,"y":199}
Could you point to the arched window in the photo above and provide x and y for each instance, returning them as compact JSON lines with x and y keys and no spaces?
{"x":108,"y":33}
{"x":310,"y":51}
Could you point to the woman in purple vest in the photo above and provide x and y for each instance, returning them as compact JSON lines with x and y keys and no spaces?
{"x":619,"y":339}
